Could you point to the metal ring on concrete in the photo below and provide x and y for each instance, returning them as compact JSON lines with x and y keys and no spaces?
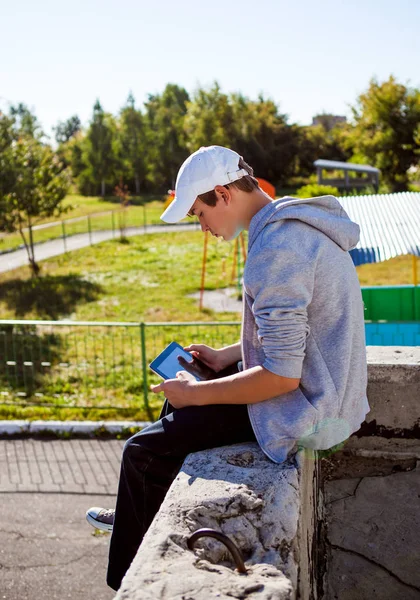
{"x":221,"y":537}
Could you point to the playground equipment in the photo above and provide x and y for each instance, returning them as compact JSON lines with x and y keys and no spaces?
{"x":267,"y":187}
{"x":169,"y":197}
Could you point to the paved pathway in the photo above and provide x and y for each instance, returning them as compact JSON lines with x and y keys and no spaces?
{"x":19,"y":258}
{"x":47,"y":549}
{"x":76,"y":466}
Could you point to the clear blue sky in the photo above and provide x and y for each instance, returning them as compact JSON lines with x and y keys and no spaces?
{"x":307,"y":56}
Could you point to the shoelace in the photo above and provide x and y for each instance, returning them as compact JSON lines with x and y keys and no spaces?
{"x":106,"y":513}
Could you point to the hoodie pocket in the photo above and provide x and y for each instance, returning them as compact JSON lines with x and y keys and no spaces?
{"x":287,"y":417}
{"x":317,"y":384}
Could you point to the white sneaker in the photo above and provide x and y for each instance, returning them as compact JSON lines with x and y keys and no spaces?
{"x":101,"y":518}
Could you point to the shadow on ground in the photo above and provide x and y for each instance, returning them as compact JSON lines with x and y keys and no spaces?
{"x":49,"y":296}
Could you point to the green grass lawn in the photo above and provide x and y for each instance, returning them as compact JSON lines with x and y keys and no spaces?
{"x":396,"y":271}
{"x":148,"y":278}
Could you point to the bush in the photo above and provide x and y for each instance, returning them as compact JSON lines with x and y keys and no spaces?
{"x":314,"y":189}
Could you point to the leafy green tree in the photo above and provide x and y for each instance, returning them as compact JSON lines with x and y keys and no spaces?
{"x":255,"y":129}
{"x":312,"y":190}
{"x":65,"y":130}
{"x":75,"y":153}
{"x":132,"y":144}
{"x":316,"y":141}
{"x":165,"y":136}
{"x":7,"y":131}
{"x":209,"y":119}
{"x":387,"y":130}
{"x":68,"y":134}
{"x":101,"y":152}
{"x":8,"y":135}
{"x":25,"y":122}
{"x":32,"y":187}
{"x":265,"y":139}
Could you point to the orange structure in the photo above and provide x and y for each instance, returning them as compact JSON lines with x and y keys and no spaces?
{"x":267,"y":187}
{"x":169,"y":197}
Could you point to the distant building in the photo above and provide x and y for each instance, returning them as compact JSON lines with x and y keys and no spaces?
{"x":328,"y":121}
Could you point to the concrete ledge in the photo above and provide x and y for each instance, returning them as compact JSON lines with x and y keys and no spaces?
{"x":271,"y":511}
{"x":391,"y":355}
{"x":393,"y":392}
{"x":258,"y":504}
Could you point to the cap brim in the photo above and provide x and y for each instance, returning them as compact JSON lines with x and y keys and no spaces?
{"x":178,"y":208}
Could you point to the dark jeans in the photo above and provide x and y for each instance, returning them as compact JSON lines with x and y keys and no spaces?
{"x":151,"y":461}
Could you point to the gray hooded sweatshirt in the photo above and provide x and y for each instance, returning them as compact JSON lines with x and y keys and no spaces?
{"x":303,"y":318}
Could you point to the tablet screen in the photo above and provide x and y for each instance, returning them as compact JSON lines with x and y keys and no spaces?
{"x":174,"y":358}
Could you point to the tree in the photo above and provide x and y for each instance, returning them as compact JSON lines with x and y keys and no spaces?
{"x":209,"y":119}
{"x":101,"y":148}
{"x":32,"y":187}
{"x":132,"y":143}
{"x":165,"y":136}
{"x":8,"y":135}
{"x":316,"y":141}
{"x":386,"y":131}
{"x":270,"y":143}
{"x":255,"y":129}
{"x":68,"y":135}
{"x":24,"y":121}
{"x":65,"y":130}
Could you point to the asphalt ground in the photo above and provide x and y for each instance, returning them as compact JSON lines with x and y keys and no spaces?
{"x":47,"y":549}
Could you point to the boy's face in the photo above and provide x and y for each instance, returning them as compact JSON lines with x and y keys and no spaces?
{"x":219,"y":220}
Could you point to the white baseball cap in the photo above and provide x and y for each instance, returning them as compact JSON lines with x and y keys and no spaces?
{"x":200,"y":173}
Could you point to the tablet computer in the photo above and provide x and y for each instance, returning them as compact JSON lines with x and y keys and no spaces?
{"x":174,"y":358}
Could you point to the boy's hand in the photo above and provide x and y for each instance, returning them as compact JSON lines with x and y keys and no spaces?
{"x":209,"y":356}
{"x":180,"y":392}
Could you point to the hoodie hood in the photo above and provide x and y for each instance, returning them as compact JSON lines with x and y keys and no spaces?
{"x":325,"y":213}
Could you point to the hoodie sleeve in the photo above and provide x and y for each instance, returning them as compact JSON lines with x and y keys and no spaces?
{"x":280,"y":281}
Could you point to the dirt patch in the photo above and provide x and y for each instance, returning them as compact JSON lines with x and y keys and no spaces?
{"x":223,"y":300}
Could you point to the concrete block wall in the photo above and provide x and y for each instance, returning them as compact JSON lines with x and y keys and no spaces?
{"x":393,"y":392}
{"x":266,"y":509}
{"x":270,"y":511}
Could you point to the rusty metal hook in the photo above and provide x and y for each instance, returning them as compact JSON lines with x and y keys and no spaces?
{"x":222,"y":537}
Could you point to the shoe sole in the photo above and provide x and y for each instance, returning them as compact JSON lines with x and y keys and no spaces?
{"x":98,"y":524}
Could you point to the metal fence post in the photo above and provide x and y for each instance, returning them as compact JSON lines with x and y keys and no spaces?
{"x":144,"y":369}
{"x":113,"y":224}
{"x":90,"y":230}
{"x":144,"y":217}
{"x":64,"y":235}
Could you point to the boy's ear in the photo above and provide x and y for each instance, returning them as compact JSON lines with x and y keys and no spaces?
{"x":223,"y":193}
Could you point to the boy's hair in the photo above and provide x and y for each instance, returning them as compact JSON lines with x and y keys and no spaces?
{"x":247,"y":183}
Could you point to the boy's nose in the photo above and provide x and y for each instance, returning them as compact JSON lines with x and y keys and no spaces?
{"x":203,"y":226}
